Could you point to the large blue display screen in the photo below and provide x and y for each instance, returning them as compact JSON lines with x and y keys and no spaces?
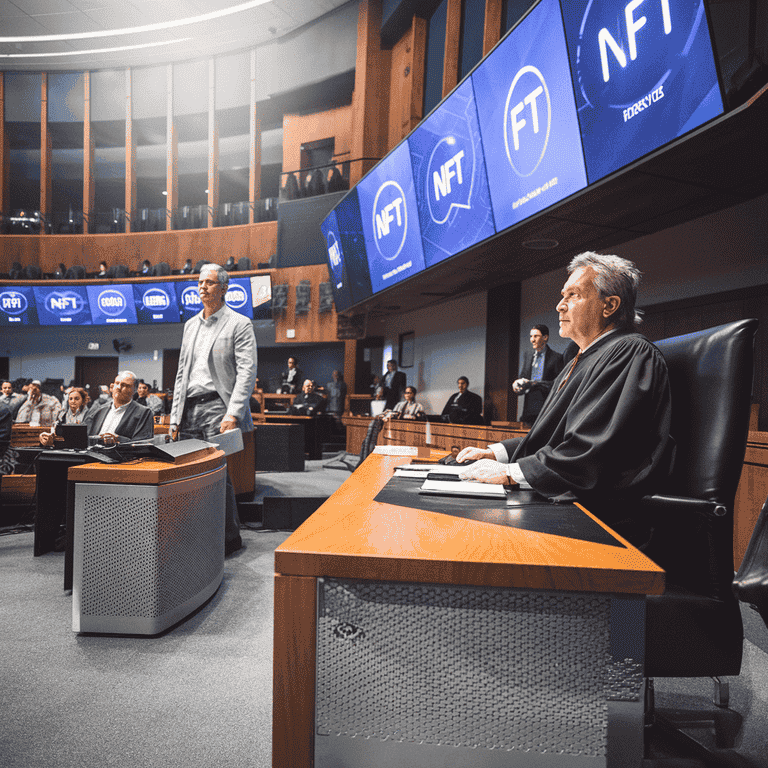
{"x":350,"y":229}
{"x":17,"y":306}
{"x":454,"y":203}
{"x":156,"y":303}
{"x":189,"y":300}
{"x":528,"y":119}
{"x":239,"y":296}
{"x":388,"y":210}
{"x":112,"y":304}
{"x":643,"y":74}
{"x":342,"y":297}
{"x":62,"y":305}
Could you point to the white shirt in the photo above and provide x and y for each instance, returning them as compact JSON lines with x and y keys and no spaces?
{"x":114,"y":417}
{"x":200,"y":380}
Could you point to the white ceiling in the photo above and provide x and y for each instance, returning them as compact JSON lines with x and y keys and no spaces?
{"x":26,"y":20}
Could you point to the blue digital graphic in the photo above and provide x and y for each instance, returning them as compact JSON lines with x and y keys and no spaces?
{"x":528,"y":119}
{"x":112,"y":304}
{"x":17,"y":306}
{"x":62,"y":305}
{"x":156,"y":303}
{"x":350,"y":230}
{"x":643,"y":74}
{"x":342,"y":297}
{"x":238,"y":296}
{"x":389,"y":215}
{"x":189,"y":300}
{"x":454,"y":203}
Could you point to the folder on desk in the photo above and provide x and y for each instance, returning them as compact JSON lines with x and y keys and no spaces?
{"x":446,"y":482}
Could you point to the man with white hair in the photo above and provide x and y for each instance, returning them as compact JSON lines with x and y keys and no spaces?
{"x":214,"y":381}
{"x":602,"y":436}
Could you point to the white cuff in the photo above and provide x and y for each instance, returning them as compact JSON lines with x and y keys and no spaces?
{"x":519,"y":477}
{"x":500,"y":452}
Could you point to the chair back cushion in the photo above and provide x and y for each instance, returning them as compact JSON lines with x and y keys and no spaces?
{"x":710,"y":375}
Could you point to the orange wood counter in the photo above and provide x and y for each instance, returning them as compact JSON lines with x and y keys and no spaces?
{"x":354,"y":537}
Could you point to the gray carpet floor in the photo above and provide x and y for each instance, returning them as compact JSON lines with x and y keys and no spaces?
{"x":200,"y":694}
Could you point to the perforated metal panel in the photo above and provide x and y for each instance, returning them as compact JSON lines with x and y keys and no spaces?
{"x":145,"y":554}
{"x":492,"y":669}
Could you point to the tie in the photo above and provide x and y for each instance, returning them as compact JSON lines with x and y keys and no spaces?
{"x":570,"y":370}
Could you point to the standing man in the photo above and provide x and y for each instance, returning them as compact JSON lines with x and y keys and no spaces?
{"x":291,"y":378}
{"x":217,"y":370}
{"x":394,"y":385}
{"x":11,"y":399}
{"x":540,"y":366}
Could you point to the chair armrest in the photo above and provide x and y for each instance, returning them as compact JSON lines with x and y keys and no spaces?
{"x":684,"y":504}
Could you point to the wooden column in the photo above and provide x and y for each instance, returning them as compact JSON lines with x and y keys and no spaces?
{"x":89,"y":151}
{"x":350,"y":361}
{"x":492,"y":26}
{"x":130,"y":154}
{"x":5,"y":189}
{"x":502,"y":352}
{"x":254,"y":153}
{"x":452,"y":33}
{"x":371,"y":94}
{"x":172,"y":156}
{"x":46,"y":187}
{"x":213,"y":146}
{"x":413,"y":93}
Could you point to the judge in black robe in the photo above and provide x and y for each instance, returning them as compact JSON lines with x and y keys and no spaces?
{"x":602,"y":436}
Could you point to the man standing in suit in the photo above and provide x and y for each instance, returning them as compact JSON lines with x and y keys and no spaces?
{"x":394,"y":385}
{"x":120,"y":420}
{"x":540,"y":366}
{"x":464,"y":407}
{"x":217,"y":369}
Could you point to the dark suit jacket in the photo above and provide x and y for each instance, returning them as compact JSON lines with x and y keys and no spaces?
{"x":467,"y":410}
{"x":136,"y":424}
{"x":537,"y":394}
{"x":395,"y":392}
{"x":307,"y":405}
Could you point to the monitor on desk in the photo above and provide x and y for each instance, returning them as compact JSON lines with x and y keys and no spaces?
{"x":74,"y":436}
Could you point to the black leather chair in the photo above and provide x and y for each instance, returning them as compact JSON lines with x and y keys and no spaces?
{"x":751,"y":582}
{"x":291,"y":189}
{"x":76,"y":272}
{"x":162,"y":269}
{"x":336,"y":182}
{"x":694,"y":629}
{"x":243,"y":264}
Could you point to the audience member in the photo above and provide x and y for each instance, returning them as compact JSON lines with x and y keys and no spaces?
{"x":39,"y":409}
{"x":6,"y":424}
{"x":337,"y":394}
{"x":144,"y":397}
{"x":253,"y":402}
{"x":464,"y":407}
{"x":307,"y":402}
{"x":214,"y":380}
{"x":407,"y":408}
{"x":9,"y":398}
{"x":105,"y":394}
{"x":146,"y":269}
{"x":602,"y":436}
{"x":394,"y":384}
{"x":73,"y":412}
{"x":187,"y":268}
{"x":120,"y":421}
{"x":291,"y":378}
{"x":540,"y":366}
{"x":102,"y":269}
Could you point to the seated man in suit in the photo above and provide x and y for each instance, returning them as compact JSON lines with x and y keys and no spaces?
{"x":602,"y":436}
{"x":10,"y":399}
{"x":464,"y":407}
{"x":153,"y":402}
{"x":119,"y":421}
{"x":540,"y":366}
{"x":308,"y":402}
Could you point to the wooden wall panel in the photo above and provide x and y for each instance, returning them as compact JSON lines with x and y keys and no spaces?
{"x":309,"y":327}
{"x":406,"y":93}
{"x":298,"y":129}
{"x":46,"y":182}
{"x":256,"y":241}
{"x":452,"y":36}
{"x":492,"y":26}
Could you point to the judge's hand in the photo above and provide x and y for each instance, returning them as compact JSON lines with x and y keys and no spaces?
{"x":474,"y":454}
{"x":173,"y":431}
{"x":46,"y":439}
{"x":486,"y":471}
{"x":227,"y":423}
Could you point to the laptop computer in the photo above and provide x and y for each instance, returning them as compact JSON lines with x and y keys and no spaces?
{"x":75,"y":436}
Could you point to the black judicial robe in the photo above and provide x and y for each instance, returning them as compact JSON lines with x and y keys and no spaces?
{"x":604,"y":437}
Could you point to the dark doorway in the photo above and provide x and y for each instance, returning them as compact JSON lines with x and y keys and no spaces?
{"x":4,"y":367}
{"x":90,"y":372}
{"x":170,"y":366}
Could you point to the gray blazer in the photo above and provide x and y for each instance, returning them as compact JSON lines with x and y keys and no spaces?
{"x":231,"y":361}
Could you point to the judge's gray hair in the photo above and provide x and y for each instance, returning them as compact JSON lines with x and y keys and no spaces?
{"x":129,"y":375}
{"x":614,"y":276}
{"x":221,"y":274}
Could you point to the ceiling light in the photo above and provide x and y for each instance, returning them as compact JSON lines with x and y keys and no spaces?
{"x":136,"y":30}
{"x":90,"y":51}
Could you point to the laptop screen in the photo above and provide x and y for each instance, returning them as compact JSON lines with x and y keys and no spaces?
{"x":75,"y":436}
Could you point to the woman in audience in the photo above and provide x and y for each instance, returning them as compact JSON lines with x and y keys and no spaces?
{"x":72,"y":413}
{"x":405,"y":409}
